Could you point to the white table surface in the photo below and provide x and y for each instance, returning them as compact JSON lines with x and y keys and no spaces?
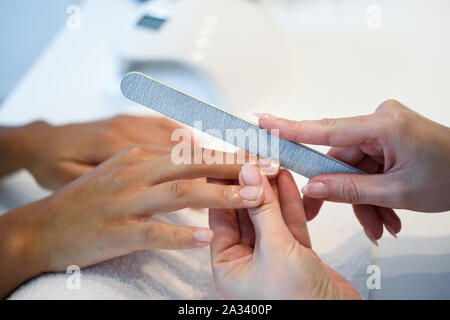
{"x":346,"y":69}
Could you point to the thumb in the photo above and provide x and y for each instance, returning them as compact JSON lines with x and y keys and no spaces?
{"x":266,"y":219}
{"x":351,"y":188}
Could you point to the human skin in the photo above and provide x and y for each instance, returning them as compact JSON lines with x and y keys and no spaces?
{"x":265,"y":252}
{"x":406,"y":154}
{"x":108,"y":212}
{"x":56,"y":155}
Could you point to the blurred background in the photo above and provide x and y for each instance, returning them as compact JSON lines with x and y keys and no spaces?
{"x":62,"y":61}
{"x":26,"y":28}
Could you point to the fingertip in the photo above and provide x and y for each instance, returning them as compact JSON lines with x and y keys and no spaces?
{"x":265,"y":116}
{"x":312,"y":207}
{"x":370,"y":220}
{"x":269,"y":167}
{"x":251,"y":193}
{"x":316,"y":189}
{"x":284,"y":175}
{"x":251,"y":175}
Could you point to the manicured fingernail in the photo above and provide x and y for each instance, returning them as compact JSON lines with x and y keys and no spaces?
{"x":251,"y":193}
{"x":268,"y":166}
{"x":251,"y":175}
{"x":371,"y":237}
{"x":203,"y":236}
{"x":391,"y":230}
{"x":265,"y":116}
{"x":315,"y":190}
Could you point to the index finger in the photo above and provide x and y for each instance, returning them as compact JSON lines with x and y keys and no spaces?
{"x":341,"y":132}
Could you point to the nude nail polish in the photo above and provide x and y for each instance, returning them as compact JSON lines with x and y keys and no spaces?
{"x":251,"y":193}
{"x":250,"y":175}
{"x":203,"y":235}
{"x":265,"y":116}
{"x":315,"y":190}
{"x":268,"y":166}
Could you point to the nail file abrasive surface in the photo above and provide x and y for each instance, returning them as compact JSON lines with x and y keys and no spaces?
{"x":187,"y":109}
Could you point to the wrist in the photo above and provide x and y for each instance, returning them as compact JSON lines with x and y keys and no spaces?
{"x":23,"y":255}
{"x":17,"y":145}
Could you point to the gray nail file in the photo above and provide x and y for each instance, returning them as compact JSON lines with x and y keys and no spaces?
{"x":188,"y":110}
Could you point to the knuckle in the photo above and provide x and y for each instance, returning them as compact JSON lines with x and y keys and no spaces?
{"x":388,"y":105}
{"x":328,"y":123}
{"x":109,"y":136}
{"x":151,"y":234}
{"x":177,"y":236}
{"x":352,"y":192}
{"x":135,"y":150}
{"x":394,"y":115}
{"x":399,"y":119}
{"x":117,"y":120}
{"x":181,"y":189}
{"x":228,"y":193}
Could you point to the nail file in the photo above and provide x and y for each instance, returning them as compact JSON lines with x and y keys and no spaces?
{"x":187,"y":109}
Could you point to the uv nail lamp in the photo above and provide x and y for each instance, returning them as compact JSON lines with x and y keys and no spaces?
{"x":234,"y":43}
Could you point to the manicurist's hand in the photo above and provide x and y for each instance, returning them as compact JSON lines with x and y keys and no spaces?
{"x":56,"y":155}
{"x":407,"y":156}
{"x":108,"y":213}
{"x":265,"y":252}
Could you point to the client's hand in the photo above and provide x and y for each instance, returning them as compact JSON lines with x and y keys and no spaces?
{"x":265,"y":252}
{"x":107,"y":213}
{"x":56,"y":155}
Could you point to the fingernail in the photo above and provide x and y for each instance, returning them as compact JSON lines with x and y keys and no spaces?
{"x":251,"y":193}
{"x":315,"y":190}
{"x":265,"y":116}
{"x":268,"y":166}
{"x":251,"y":175}
{"x":203,"y":235}
{"x":391,"y":230}
{"x":371,"y":237}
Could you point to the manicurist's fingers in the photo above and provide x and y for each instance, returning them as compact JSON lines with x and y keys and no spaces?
{"x":370,"y":221}
{"x":350,"y":155}
{"x":292,"y":208}
{"x":390,"y":220}
{"x":342,"y":132}
{"x":375,"y":189}
{"x":312,"y":207}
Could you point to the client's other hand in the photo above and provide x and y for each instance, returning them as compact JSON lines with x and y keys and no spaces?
{"x":265,"y":252}
{"x":56,"y":155}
